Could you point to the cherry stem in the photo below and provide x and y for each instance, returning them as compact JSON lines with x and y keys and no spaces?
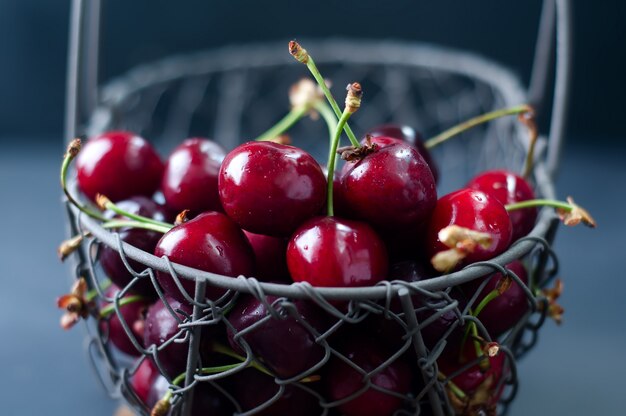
{"x":93,"y":293}
{"x":136,"y":224}
{"x":284,"y":124}
{"x":110,"y":308}
{"x":473,"y":122}
{"x":71,"y":153}
{"x":303,"y":56}
{"x":332,"y":160}
{"x":539,"y":203}
{"x":453,"y":387}
{"x":106,"y":203}
{"x":328,"y":116}
{"x":222,"y":349}
{"x":483,"y":303}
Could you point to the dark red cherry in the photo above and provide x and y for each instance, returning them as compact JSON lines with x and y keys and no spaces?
{"x":342,"y":380}
{"x":133,"y":314}
{"x":143,"y":379}
{"x":145,"y":240}
{"x":251,"y":389}
{"x":118,"y":164}
{"x":157,"y":390}
{"x":270,"y":257}
{"x":392,"y":189}
{"x":503,"y":312}
{"x":285,"y":345}
{"x":270,"y":188}
{"x":509,"y":188}
{"x":475,"y":210}
{"x":329,"y":251}
{"x":210,"y":242}
{"x":190,"y":176}
{"x":412,"y":137}
{"x":480,"y":383}
{"x":427,"y":307}
{"x":160,"y":327}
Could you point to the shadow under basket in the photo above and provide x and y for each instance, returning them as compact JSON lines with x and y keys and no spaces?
{"x":232,"y":95}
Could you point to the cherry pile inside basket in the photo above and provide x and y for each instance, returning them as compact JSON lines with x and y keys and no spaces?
{"x":269,"y":210}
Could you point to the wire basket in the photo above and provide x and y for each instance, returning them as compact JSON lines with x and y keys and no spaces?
{"x":230,"y":95}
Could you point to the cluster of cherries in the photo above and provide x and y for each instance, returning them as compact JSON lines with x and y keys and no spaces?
{"x":269,"y":210}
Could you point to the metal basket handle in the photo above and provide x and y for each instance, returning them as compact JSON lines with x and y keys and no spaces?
{"x":82,"y":74}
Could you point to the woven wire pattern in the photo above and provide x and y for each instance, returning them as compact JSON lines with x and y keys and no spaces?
{"x":242,"y":97}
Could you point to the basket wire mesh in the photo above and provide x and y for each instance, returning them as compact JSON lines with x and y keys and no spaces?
{"x":229,"y":95}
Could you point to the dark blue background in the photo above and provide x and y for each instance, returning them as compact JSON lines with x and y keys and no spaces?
{"x":33,"y":44}
{"x":576,"y":369}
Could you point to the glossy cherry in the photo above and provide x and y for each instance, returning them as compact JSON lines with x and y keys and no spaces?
{"x":409,"y":135}
{"x":145,"y":240}
{"x":392,"y":188}
{"x":210,"y":242}
{"x":134,"y":314}
{"x":342,"y":380}
{"x":270,"y":255}
{"x":475,"y":210}
{"x":509,"y":188}
{"x":190,"y":176}
{"x":481,"y":383}
{"x":284,"y":345}
{"x":504,"y":311}
{"x":160,"y":327}
{"x":270,"y":188}
{"x":118,"y":164}
{"x":143,"y":379}
{"x":329,"y":251}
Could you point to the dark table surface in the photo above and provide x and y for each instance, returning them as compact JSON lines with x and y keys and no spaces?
{"x":576,"y":369}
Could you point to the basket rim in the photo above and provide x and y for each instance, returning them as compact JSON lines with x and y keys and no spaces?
{"x":325,"y":51}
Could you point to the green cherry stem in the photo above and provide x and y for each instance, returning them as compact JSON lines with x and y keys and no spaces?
{"x":222,"y":349}
{"x":110,"y":308}
{"x":72,"y":151}
{"x":93,"y":293}
{"x":302,"y":56}
{"x":353,"y":102}
{"x":284,"y":124}
{"x":453,"y":387}
{"x":569,"y":212}
{"x":526,"y":116}
{"x":473,"y":122}
{"x":105,"y":203}
{"x":136,"y":224}
{"x":329,"y":118}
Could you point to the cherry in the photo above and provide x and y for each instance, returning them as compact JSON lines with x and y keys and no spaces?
{"x":507,"y":308}
{"x":118,"y":164}
{"x":392,"y":188}
{"x":271,"y":256}
{"x":145,"y":240}
{"x":143,"y":379}
{"x":251,"y":388}
{"x":426,"y":307}
{"x":160,"y":327}
{"x":270,"y":188}
{"x":509,"y":188}
{"x":210,"y":242}
{"x":329,"y":251}
{"x":285,"y":345}
{"x":190,"y":176}
{"x":409,"y":135}
{"x":473,"y":210}
{"x":133,"y":313}
{"x":207,"y":400}
{"x":342,"y":380}
{"x":477,"y":389}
